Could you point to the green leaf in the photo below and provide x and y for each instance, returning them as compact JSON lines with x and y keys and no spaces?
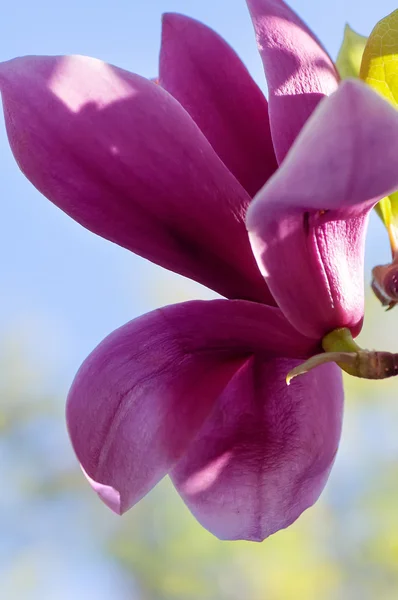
{"x":349,"y":58}
{"x":379,"y":69}
{"x":383,"y":209}
{"x":379,"y":66}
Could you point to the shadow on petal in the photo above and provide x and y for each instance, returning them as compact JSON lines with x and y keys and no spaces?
{"x":265,"y":453}
{"x":119,"y":155}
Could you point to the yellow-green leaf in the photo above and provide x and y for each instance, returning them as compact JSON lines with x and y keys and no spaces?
{"x":394,"y":206}
{"x":383,"y":209}
{"x":349,"y":58}
{"x":379,"y":66}
{"x":387,"y":209}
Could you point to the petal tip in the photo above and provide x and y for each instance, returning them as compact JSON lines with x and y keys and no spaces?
{"x":109,"y":495}
{"x":173,"y":20}
{"x":167,"y":17}
{"x":353,"y":87}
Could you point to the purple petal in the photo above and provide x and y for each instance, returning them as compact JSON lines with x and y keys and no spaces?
{"x":264,"y":455}
{"x":308,"y":223}
{"x":144,"y":392}
{"x":120,"y":155}
{"x":206,"y":76}
{"x":299,"y":72}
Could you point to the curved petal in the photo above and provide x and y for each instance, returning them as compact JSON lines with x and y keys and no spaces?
{"x":299,"y":72}
{"x":265,"y":453}
{"x":206,"y":76}
{"x":144,"y":392}
{"x":308,"y":224}
{"x":120,"y":155}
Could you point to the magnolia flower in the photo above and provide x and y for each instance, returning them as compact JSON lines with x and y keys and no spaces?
{"x":374,"y":60}
{"x":168,"y":170}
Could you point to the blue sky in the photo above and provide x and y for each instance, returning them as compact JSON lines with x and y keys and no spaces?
{"x":62,"y":288}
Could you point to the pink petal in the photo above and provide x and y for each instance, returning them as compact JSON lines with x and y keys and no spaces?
{"x":264,"y":455}
{"x":144,"y":392}
{"x":203,"y":72}
{"x":119,"y":154}
{"x":299,"y":72}
{"x":308,"y":223}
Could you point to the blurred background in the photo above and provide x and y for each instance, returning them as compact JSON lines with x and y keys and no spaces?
{"x":64,"y":289}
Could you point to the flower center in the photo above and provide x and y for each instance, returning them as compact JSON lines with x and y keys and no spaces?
{"x":375,"y":61}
